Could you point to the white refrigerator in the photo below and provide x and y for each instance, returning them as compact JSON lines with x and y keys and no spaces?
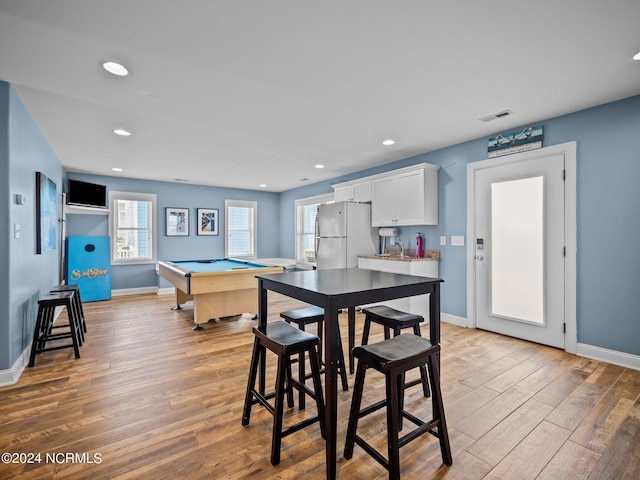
{"x":343,"y":231}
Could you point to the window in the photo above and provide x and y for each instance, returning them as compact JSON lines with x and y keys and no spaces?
{"x":240,"y":228}
{"x":132,"y":227}
{"x":306,"y":211}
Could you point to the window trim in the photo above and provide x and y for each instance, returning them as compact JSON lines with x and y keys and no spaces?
{"x":253,"y":227}
{"x":113,"y":213}
{"x":303,"y":202}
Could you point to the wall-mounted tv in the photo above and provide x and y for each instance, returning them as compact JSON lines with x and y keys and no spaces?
{"x":86,"y":194}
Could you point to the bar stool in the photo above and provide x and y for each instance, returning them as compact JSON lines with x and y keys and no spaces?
{"x":285,"y":341}
{"x":44,"y":328}
{"x":392,"y":319}
{"x":393,"y":357}
{"x":303,"y":317}
{"x":78,"y":302}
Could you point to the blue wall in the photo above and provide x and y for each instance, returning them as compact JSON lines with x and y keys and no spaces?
{"x":25,"y":275}
{"x":180,"y":195}
{"x":608,"y":218}
{"x":608,"y":226}
{"x":608,"y":209}
{"x":6,"y":359}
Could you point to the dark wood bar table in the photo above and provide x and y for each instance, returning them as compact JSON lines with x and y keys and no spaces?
{"x":337,"y":289}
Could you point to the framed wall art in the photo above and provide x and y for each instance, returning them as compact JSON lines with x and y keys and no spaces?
{"x":46,"y":213}
{"x":207,"y":221}
{"x":177,"y":222}
{"x":529,"y":138}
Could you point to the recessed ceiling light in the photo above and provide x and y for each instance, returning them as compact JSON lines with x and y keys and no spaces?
{"x":636,"y":56}
{"x":263,"y":185}
{"x":116,"y":169}
{"x":388,"y":142}
{"x":115,"y":68}
{"x":319,"y":165}
{"x":120,"y":131}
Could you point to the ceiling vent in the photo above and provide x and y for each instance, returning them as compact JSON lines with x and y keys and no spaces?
{"x":495,"y":116}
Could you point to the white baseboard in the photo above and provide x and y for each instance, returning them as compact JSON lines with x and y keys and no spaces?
{"x":11,"y":375}
{"x":583,"y":350}
{"x":133,"y":291}
{"x":453,"y":319}
{"x":137,"y":291}
{"x":610,"y":356}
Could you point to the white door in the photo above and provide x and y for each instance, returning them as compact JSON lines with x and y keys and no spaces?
{"x":519,"y":244}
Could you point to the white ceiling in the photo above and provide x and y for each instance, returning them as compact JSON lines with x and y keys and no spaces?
{"x":239,"y":93}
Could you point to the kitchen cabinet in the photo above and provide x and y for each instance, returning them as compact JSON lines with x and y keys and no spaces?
{"x":418,"y":305}
{"x":405,"y":197}
{"x":359,"y":191}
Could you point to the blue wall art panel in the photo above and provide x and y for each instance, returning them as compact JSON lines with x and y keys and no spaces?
{"x":46,"y":213}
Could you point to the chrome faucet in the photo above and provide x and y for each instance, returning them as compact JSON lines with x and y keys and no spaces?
{"x":395,"y":242}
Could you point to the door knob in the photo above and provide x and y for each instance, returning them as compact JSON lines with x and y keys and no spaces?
{"x":479,"y":257}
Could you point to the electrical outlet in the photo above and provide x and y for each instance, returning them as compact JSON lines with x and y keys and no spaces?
{"x":443,"y":240}
{"x":457,"y":240}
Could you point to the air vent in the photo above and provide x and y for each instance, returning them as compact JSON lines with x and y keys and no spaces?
{"x":494,"y":116}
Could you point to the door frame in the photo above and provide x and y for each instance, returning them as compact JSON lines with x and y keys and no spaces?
{"x":569,"y":150}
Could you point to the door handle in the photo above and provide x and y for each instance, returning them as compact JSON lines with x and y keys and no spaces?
{"x":479,"y":257}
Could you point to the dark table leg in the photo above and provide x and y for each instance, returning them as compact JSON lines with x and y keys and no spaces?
{"x":434,"y":326}
{"x":262,"y":319}
{"x":331,"y":352}
{"x":352,"y":336}
{"x":434,"y":314}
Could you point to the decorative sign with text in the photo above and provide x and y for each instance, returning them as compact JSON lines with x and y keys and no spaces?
{"x":528,"y":138}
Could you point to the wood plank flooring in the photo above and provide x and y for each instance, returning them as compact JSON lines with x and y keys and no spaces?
{"x":151,"y":398}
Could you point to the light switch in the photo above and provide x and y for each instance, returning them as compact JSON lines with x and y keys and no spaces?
{"x":16,"y":230}
{"x":443,"y":240}
{"x":457,"y":240}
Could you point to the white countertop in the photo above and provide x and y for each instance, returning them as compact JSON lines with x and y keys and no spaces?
{"x":277,"y":262}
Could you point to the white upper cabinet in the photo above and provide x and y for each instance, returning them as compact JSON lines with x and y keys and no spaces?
{"x":405,"y":197}
{"x":357,"y":191}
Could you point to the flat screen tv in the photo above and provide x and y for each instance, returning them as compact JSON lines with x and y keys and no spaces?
{"x":86,"y":194}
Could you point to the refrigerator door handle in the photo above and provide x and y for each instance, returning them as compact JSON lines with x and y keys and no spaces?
{"x":316,"y":239}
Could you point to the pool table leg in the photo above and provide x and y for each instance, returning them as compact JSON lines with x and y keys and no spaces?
{"x":181,"y":297}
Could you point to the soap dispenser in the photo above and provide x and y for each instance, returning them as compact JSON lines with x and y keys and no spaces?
{"x":420,"y":245}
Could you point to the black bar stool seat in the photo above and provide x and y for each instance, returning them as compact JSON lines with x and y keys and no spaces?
{"x":395,"y":320}
{"x":78,"y":302}
{"x":306,"y":316}
{"x":393,"y":357}
{"x":285,"y":341}
{"x":45,"y":330}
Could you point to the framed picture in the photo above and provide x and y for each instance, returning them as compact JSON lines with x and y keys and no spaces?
{"x":207,"y":221}
{"x":177,"y":222}
{"x":46,"y":213}
{"x":529,"y":138}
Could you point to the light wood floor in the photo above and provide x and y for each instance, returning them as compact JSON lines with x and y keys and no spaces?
{"x":150,"y":398}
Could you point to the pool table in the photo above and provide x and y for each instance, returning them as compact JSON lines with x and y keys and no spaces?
{"x":218,"y":287}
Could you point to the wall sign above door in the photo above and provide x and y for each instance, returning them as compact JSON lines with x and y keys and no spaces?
{"x":529,"y":138}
